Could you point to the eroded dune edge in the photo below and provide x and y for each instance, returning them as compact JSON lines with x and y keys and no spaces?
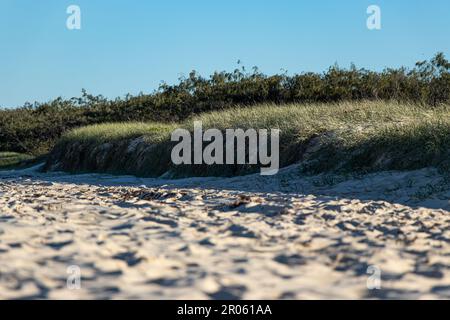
{"x":249,"y":237}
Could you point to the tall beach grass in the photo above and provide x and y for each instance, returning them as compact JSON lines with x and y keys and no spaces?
{"x":341,"y":137}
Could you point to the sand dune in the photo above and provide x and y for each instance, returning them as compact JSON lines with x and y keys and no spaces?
{"x":281,"y":237}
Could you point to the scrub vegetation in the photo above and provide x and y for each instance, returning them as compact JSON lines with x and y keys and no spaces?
{"x":35,"y":128}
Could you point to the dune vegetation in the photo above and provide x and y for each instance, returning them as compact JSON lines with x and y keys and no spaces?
{"x":342,"y":137}
{"x":35,"y":128}
{"x":12,"y":159}
{"x":339,"y":120}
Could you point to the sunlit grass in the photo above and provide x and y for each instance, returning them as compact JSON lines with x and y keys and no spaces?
{"x":109,"y":132}
{"x":10,"y":159}
{"x":364,"y":136}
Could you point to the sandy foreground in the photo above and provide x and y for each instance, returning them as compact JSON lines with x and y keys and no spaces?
{"x":253,"y":237}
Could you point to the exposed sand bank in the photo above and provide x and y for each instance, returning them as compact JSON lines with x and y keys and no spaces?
{"x":250,"y":237}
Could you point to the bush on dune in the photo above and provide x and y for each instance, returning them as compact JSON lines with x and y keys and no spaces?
{"x":34,"y":129}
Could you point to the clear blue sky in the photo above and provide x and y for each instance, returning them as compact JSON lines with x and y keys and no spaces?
{"x":130,"y":46}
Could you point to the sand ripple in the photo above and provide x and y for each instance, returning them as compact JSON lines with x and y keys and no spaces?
{"x":195,"y":243}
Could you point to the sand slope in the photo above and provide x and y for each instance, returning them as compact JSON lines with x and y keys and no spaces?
{"x":253,"y":237}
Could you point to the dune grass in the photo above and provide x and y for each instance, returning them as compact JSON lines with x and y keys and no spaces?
{"x":109,"y":132}
{"x":364,"y":136}
{"x":10,"y":160}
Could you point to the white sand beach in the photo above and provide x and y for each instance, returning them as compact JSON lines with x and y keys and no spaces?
{"x":252,"y":237}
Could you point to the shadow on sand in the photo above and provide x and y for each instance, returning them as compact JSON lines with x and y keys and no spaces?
{"x":419,"y":188}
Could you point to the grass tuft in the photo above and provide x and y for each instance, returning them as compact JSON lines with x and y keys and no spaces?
{"x":9,"y":160}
